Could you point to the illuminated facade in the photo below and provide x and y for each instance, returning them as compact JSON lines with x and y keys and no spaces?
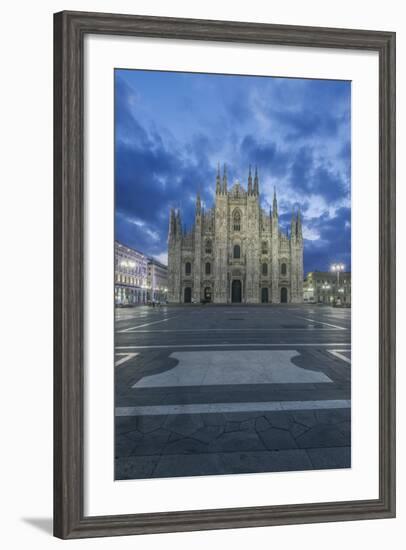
{"x":131,"y":276}
{"x":157,"y":281}
{"x":327,"y":287}
{"x":138,"y":278}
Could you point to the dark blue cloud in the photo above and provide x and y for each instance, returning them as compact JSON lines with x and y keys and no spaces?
{"x":265,"y":154}
{"x":311,"y":178}
{"x":334,"y":230}
{"x":171,"y":129}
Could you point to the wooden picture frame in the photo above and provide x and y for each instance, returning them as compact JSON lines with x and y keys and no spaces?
{"x":69,"y":31}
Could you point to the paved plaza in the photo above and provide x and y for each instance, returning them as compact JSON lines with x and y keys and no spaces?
{"x":204,"y":390}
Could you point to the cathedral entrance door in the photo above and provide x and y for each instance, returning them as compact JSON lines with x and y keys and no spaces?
{"x":236,"y":291}
{"x":207,"y":294}
{"x":264,"y":295}
{"x":188,"y":295}
{"x":284,"y":295}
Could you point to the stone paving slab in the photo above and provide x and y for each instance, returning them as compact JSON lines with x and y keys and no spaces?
{"x":152,"y":443}
{"x":185,"y":424}
{"x":236,"y":441}
{"x":185,"y":446}
{"x":276,"y":439}
{"x":188,"y":465}
{"x":303,"y":439}
{"x":146,"y":467}
{"x":322,"y":435}
{"x":135,"y":467}
{"x":184,"y":465}
{"x":330,"y":457}
{"x":266,"y":461}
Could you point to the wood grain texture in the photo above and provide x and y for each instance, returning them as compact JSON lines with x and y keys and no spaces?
{"x":69,"y":30}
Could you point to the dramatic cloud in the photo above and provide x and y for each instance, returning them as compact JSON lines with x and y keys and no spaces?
{"x":173,"y":128}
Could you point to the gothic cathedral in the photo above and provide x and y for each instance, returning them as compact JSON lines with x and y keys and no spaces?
{"x":235,"y":252}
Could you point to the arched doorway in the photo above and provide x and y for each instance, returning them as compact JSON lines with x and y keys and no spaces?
{"x":188,"y":295}
{"x":236,"y":291}
{"x":284,"y":295}
{"x":207,"y":294}
{"x":264,"y":295}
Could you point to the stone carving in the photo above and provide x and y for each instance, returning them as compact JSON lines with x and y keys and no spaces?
{"x":236,"y":218}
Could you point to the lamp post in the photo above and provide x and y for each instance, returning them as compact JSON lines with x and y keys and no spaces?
{"x":337,"y":268}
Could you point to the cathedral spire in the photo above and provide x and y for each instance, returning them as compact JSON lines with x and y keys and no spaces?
{"x":249,"y":181}
{"x":256,"y":182}
{"x":178,"y":223}
{"x":172,"y":223}
{"x":275,"y":203}
{"x":218,"y":181}
{"x":198,"y":203}
{"x":293,"y":226}
{"x":225,"y":180}
{"x":299,"y":224}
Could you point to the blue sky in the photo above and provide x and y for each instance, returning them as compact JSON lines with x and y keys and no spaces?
{"x":171,"y":130}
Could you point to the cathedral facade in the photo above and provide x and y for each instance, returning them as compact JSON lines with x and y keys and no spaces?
{"x":235,"y":252}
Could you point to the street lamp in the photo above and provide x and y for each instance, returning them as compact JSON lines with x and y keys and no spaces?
{"x":337,"y":268}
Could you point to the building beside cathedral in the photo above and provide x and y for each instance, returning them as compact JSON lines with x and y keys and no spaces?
{"x":235,"y":252}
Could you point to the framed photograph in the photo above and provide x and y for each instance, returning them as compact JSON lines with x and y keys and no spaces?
{"x":224,"y":274}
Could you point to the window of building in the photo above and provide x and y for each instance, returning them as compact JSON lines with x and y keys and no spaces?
{"x":237,"y":251}
{"x":264,"y":247}
{"x":188,"y":268}
{"x":236,"y":220}
{"x":283,"y":269}
{"x":264,"y":269}
{"x":208,"y":246}
{"x":208,"y":268}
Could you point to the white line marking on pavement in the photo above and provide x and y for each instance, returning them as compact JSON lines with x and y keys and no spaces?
{"x":338,"y":317}
{"x":338,"y":353}
{"x":130,"y":329}
{"x":280,"y":345}
{"x":127,"y":357}
{"x":309,"y":327}
{"x":202,"y":408}
{"x":321,"y":322}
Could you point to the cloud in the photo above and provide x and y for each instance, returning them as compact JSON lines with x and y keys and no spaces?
{"x":173,"y":128}
{"x":154,"y":235}
{"x":162,"y":257}
{"x":310,"y":234}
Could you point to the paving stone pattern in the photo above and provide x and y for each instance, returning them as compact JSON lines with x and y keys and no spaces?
{"x":187,"y":445}
{"x":280,"y":372}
